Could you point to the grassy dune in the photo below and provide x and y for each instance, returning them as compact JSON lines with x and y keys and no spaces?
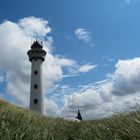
{"x":21,"y":124}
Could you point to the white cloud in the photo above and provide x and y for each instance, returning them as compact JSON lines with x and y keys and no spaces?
{"x":128,"y":69}
{"x":120,"y":91}
{"x":109,"y":59}
{"x":129,"y":1}
{"x":87,"y":68}
{"x":84,"y":35}
{"x":65,"y":62}
{"x":1,"y":79}
{"x":76,"y":70}
{"x":127,"y":77}
{"x":51,"y":108}
{"x":13,"y":44}
{"x":34,"y":26}
{"x":15,"y":41}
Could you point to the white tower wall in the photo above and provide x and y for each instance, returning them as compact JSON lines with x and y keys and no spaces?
{"x":36,"y":93}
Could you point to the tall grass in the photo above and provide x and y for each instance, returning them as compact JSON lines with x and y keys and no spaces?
{"x":22,"y":124}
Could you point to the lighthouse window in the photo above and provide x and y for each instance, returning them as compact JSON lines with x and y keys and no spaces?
{"x":35,"y":86}
{"x":35,"y":72}
{"x":35,"y":101}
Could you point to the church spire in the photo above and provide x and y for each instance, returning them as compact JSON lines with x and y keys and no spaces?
{"x":79,"y":116}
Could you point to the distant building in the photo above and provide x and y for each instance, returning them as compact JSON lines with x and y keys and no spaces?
{"x":79,"y":116}
{"x":71,"y":119}
{"x":36,"y":57}
{"x":75,"y":119}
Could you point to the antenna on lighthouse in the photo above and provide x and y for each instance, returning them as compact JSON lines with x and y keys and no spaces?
{"x":36,"y":37}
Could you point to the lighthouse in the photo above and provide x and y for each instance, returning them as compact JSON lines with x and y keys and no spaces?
{"x":36,"y":56}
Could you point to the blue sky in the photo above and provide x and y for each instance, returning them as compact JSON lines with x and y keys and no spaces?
{"x":94,"y":50}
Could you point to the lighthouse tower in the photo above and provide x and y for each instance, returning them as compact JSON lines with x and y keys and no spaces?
{"x":36,"y":57}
